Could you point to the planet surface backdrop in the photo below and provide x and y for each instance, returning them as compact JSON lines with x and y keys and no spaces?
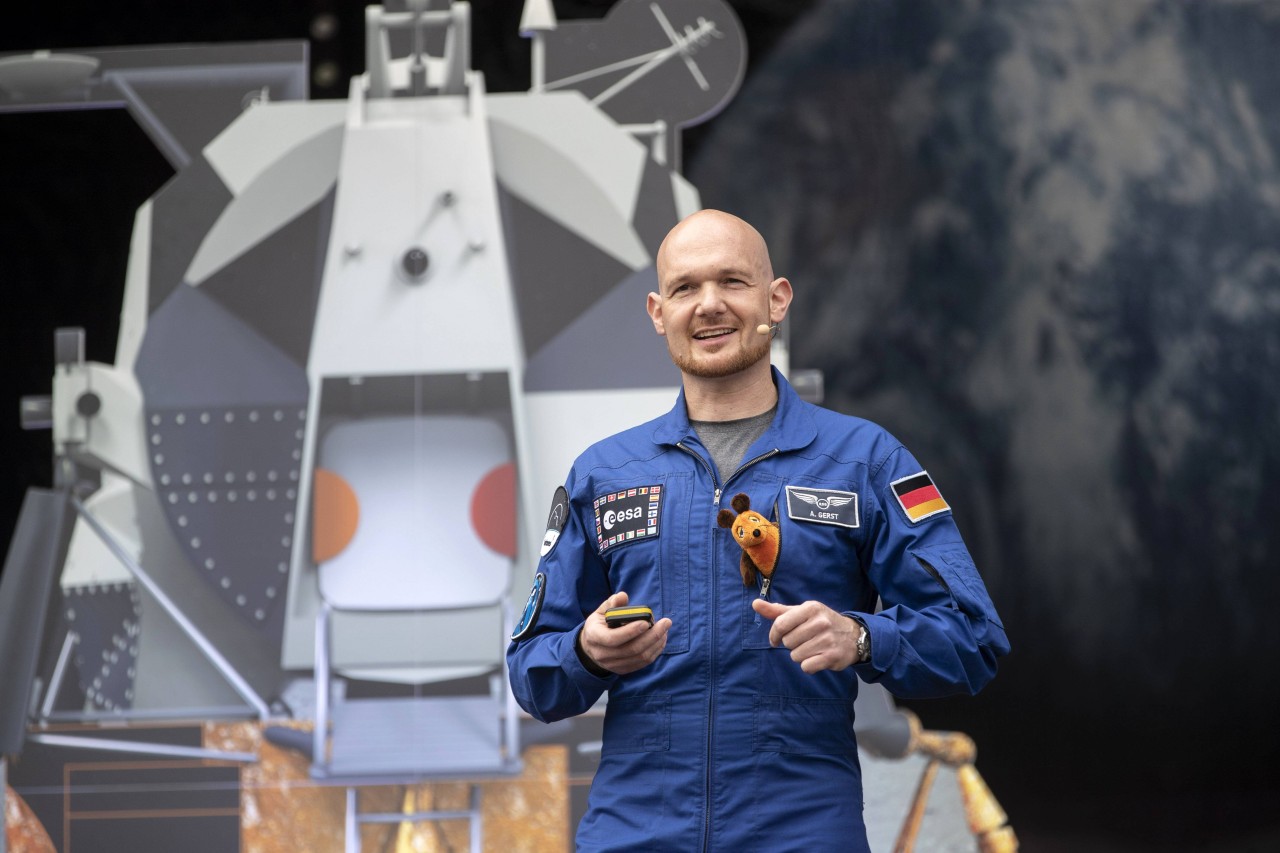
{"x":1038,"y":241}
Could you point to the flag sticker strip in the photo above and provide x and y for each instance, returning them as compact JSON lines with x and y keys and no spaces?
{"x":627,"y":515}
{"x":918,"y":496}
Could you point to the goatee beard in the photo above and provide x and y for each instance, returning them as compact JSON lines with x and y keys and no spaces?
{"x":741,"y":360}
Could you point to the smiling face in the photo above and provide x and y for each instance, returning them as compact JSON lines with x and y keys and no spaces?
{"x":716,"y":287}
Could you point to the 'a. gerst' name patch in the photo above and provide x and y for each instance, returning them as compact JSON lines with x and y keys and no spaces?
{"x":918,"y":496}
{"x":822,"y":506}
{"x":627,"y":515}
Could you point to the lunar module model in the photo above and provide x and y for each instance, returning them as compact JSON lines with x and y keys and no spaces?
{"x":360,"y":343}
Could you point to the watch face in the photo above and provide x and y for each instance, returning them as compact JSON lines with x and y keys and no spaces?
{"x":679,"y":61}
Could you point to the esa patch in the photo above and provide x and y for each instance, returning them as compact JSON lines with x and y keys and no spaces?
{"x":555,"y":521}
{"x":627,"y":515}
{"x":918,"y":496}
{"x":532,"y":607}
{"x":822,"y":506}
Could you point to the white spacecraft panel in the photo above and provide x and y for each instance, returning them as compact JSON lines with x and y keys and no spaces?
{"x":419,"y":539}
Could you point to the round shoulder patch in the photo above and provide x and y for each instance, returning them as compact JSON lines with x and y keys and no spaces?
{"x":532,"y":607}
{"x":555,"y":521}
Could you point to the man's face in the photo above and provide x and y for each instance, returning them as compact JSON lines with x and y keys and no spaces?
{"x":714,"y":291}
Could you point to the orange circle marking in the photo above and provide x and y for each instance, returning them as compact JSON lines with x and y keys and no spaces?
{"x":493,"y":509}
{"x":335,"y":514}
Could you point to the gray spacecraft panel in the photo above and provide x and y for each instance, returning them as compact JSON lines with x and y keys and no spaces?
{"x":183,"y":211}
{"x":107,"y":620}
{"x":610,"y":345}
{"x":172,"y":671}
{"x":182,"y":96}
{"x":656,"y":207}
{"x":266,"y":133}
{"x":197,"y":353}
{"x":36,"y":554}
{"x":225,"y":416}
{"x":563,"y":178}
{"x":275,"y":195}
{"x":676,"y":61}
{"x":557,"y":274}
{"x":229,"y":491}
{"x":162,"y":102}
{"x":275,"y":285}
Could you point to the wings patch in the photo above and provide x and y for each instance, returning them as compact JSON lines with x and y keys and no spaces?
{"x":822,"y":506}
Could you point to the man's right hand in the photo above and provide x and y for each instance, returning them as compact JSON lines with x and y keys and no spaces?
{"x":625,"y":649}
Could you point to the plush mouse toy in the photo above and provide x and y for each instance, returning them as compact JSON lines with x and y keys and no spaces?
{"x":760,"y":539}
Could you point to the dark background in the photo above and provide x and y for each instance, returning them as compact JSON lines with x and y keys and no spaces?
{"x":1034,"y":239}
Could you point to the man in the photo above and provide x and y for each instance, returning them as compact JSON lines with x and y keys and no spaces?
{"x":729,"y":723}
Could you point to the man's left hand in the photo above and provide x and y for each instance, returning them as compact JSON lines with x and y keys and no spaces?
{"x":819,"y":638}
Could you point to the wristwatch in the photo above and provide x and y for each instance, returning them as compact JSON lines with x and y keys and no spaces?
{"x":863,"y":648}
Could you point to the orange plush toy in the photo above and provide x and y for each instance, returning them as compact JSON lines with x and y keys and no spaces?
{"x":760,"y":539}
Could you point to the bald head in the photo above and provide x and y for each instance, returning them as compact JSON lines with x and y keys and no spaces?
{"x":718,"y":307}
{"x":706,"y":229}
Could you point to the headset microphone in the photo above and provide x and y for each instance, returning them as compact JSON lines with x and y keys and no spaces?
{"x":766,"y":328}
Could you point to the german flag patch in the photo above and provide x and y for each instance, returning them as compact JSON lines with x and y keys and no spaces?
{"x":918,"y":496}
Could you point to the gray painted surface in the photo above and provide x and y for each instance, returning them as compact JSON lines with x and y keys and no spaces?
{"x":35,"y":557}
{"x":610,"y":345}
{"x":888,"y":787}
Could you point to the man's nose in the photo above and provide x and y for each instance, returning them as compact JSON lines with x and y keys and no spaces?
{"x":710,"y":300}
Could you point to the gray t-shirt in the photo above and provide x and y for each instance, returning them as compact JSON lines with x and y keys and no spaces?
{"x":727,"y":441}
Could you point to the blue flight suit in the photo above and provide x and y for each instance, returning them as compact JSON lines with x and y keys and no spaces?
{"x":724,"y":743}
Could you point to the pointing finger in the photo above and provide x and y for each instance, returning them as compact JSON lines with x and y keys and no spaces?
{"x":768,"y":609}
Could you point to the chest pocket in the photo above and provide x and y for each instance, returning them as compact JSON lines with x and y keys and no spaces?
{"x":654,"y":570}
{"x":816,"y":561}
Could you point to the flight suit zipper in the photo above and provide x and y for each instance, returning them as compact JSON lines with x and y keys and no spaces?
{"x":711,"y":694}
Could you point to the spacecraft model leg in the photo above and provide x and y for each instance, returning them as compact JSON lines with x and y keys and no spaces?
{"x":987,"y":820}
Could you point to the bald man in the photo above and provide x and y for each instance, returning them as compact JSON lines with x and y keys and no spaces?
{"x":729,"y":722}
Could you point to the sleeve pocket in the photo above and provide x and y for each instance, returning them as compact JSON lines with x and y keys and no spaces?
{"x":954,"y":569}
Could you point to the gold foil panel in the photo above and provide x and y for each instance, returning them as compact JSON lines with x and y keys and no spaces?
{"x":23,"y":832}
{"x":284,"y":810}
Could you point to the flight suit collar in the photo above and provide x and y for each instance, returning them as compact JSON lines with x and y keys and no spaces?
{"x":792,"y":426}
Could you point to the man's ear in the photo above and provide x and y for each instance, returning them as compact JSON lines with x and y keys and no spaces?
{"x":653,"y":304}
{"x":779,"y":299}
